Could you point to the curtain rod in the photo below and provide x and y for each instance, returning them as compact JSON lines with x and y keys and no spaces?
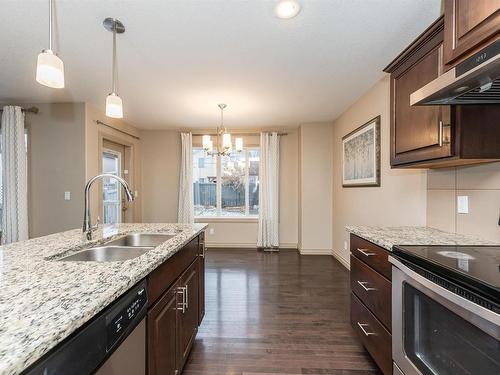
{"x":34,"y":110}
{"x":237,"y":134}
{"x":99,"y":122}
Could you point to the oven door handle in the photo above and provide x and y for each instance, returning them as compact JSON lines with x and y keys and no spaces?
{"x":455,"y":299}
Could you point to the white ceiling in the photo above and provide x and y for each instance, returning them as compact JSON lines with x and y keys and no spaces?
{"x":178,"y":59}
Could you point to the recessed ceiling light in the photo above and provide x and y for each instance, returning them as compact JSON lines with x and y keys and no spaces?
{"x":287,"y":9}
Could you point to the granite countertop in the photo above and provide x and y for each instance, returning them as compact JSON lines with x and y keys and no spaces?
{"x":43,"y":301}
{"x":387,"y":237}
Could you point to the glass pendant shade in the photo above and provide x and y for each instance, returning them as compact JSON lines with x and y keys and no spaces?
{"x":114,"y":106}
{"x":50,"y":70}
{"x":226,"y":141}
{"x":239,"y":144}
{"x":206,"y":142}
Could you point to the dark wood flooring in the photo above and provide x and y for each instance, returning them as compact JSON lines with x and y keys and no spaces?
{"x":278,"y":313}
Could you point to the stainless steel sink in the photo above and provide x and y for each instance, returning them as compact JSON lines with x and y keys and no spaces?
{"x":107,"y":254}
{"x":141,"y":239}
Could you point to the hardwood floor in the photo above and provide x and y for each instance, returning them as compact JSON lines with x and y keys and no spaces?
{"x":276,"y":313}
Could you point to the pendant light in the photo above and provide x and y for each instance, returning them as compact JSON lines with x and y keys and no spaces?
{"x":224,"y":142}
{"x":49,"y":67}
{"x":114,"y":105}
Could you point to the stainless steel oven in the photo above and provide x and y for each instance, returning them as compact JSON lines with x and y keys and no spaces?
{"x":440,"y":328}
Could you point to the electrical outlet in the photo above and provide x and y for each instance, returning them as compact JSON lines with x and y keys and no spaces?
{"x":345,"y":245}
{"x":67,"y":195}
{"x":211,"y":231}
{"x":462,"y":204}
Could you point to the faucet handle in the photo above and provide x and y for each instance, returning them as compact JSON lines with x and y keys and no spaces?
{"x":96,"y":225}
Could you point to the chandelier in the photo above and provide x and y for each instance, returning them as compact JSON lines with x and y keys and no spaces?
{"x":224,"y":144}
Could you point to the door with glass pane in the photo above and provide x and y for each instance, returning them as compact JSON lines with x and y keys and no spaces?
{"x":112,"y":163}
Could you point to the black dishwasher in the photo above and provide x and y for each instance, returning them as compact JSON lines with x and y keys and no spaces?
{"x":116,"y":334}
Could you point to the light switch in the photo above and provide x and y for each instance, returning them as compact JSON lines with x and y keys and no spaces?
{"x":67,"y":195}
{"x":463,"y":204}
{"x":211,"y":231}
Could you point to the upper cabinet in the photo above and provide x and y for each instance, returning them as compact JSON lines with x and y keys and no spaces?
{"x":469,"y":26}
{"x":436,"y":136}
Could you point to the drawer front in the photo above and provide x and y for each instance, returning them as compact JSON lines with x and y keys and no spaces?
{"x":372,"y":289}
{"x":373,"y":255}
{"x":163,"y":276}
{"x":374,"y":336}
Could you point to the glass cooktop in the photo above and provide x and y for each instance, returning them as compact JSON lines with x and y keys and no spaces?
{"x":474,"y":267}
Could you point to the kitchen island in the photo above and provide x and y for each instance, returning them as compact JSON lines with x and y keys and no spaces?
{"x":44,"y":300}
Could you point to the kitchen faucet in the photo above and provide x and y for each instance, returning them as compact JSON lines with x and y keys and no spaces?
{"x":88,"y":228}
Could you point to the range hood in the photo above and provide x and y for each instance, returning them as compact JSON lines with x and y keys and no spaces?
{"x":473,"y":81}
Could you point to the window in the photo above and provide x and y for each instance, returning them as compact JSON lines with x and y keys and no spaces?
{"x":226,"y":186}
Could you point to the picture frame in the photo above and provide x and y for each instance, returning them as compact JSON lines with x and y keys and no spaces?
{"x":361,"y":155}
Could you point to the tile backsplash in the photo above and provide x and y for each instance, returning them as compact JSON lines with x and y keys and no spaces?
{"x":481,"y":184}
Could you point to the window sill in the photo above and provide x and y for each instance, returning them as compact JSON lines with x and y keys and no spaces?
{"x":226,"y":219}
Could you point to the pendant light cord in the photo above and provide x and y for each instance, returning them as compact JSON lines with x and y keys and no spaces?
{"x":114,"y":59}
{"x":50,"y":25}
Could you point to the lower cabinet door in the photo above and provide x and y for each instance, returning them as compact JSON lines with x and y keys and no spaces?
{"x":201,"y":288}
{"x":162,"y":337}
{"x":188,"y":317}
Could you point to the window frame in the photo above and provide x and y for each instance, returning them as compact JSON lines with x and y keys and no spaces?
{"x":218,"y":217}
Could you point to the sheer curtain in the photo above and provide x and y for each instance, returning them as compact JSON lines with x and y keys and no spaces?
{"x":186,"y":204}
{"x":268,"y":231}
{"x":14,"y":176}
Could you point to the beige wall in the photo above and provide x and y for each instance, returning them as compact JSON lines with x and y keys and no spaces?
{"x":160,"y":175}
{"x":401,"y":198}
{"x":56,"y":164}
{"x":481,"y":183}
{"x":315,"y":180}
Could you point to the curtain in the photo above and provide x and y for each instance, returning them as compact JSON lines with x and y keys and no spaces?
{"x":14,"y":176}
{"x":186,"y":204}
{"x":268,"y":231}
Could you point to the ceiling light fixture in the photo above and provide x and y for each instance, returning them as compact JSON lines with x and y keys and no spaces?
{"x":49,"y":67}
{"x":114,"y":104}
{"x":225,"y":147}
{"x":286,"y":9}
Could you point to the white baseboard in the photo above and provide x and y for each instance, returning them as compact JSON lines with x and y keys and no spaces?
{"x":315,"y":252}
{"x":341,"y":259}
{"x":243,"y":245}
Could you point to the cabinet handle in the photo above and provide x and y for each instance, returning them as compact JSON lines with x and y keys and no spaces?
{"x":182,"y":290}
{"x":365,"y":252}
{"x":187,"y":296}
{"x":367,"y":289}
{"x":440,"y":135}
{"x":362,"y":327}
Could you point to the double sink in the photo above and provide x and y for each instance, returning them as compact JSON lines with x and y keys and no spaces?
{"x":127,"y":247}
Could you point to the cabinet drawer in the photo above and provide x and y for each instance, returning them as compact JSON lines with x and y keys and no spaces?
{"x":162,"y":277}
{"x":373,"y":255}
{"x":372,"y":289}
{"x":374,"y":336}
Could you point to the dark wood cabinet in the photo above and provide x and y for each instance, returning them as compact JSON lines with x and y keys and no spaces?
{"x":469,"y":26}
{"x":371,"y":290}
{"x":188,"y":316}
{"x":201,"y":272}
{"x":162,"y":328}
{"x":174,"y":312}
{"x":432,"y":136}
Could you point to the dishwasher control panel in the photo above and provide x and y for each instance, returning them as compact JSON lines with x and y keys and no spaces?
{"x":125,"y":316}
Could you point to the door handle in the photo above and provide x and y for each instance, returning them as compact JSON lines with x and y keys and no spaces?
{"x":182,"y":290}
{"x":365,"y":252}
{"x":362,"y":327}
{"x":367,"y":289}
